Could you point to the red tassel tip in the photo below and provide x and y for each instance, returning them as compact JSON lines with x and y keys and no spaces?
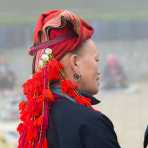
{"x":68,"y":86}
{"x":48,"y":94}
{"x":45,"y":145}
{"x":39,"y":121}
{"x":20,"y":128}
{"x":31,"y":134}
{"x":84,"y":101}
{"x":22,"y":105}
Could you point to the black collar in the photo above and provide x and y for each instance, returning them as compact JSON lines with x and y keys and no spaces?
{"x":94,"y":101}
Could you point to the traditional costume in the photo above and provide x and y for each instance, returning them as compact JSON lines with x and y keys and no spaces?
{"x":55,"y":113}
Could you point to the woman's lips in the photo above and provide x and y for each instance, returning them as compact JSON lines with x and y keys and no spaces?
{"x":98,"y":78}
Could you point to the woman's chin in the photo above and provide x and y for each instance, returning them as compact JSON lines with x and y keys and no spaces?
{"x":94,"y":91}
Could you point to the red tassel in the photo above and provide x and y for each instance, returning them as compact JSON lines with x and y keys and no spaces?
{"x":22,"y":105}
{"x":45,"y":145}
{"x":39,"y":121}
{"x":34,"y":112}
{"x":48,"y":94}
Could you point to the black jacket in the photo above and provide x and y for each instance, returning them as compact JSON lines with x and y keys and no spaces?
{"x":146,"y":138}
{"x":76,"y":126}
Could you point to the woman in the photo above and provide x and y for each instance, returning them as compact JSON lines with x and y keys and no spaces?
{"x":57,"y":111}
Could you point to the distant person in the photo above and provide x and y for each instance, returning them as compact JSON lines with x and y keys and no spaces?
{"x":146,"y":138}
{"x":114,"y":75}
{"x":7,"y":76}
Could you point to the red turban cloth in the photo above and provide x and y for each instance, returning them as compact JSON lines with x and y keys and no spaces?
{"x":61,"y":30}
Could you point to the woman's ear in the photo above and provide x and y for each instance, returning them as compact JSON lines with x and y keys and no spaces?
{"x":74,"y":62}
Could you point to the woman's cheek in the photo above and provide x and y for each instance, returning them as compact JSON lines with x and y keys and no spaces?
{"x":95,"y":70}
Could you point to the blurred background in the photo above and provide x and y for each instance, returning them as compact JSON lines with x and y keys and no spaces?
{"x":121,"y":34}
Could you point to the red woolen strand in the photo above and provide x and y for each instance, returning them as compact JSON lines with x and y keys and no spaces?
{"x":35,"y":111}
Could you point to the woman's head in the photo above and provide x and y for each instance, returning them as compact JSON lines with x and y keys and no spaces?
{"x":82,"y":66}
{"x":69,"y":37}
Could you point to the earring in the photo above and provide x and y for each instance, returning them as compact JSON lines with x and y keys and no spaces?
{"x":77,"y":77}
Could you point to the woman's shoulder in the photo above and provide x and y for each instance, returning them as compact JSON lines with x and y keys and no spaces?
{"x":69,"y":109}
{"x":85,"y":121}
{"x":67,"y":106}
{"x":98,"y":131}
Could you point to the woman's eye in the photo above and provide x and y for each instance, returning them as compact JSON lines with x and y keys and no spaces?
{"x":97,"y":60}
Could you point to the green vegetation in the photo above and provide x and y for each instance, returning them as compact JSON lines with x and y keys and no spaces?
{"x":18,"y":11}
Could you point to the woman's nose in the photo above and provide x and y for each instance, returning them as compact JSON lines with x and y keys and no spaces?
{"x":98,"y":73}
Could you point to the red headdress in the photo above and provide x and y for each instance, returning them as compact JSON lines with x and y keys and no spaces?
{"x":56,"y":33}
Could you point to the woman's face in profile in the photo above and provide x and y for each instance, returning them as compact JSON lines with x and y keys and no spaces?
{"x":89,"y":67}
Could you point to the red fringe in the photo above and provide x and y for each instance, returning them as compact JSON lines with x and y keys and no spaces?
{"x":34,"y":111}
